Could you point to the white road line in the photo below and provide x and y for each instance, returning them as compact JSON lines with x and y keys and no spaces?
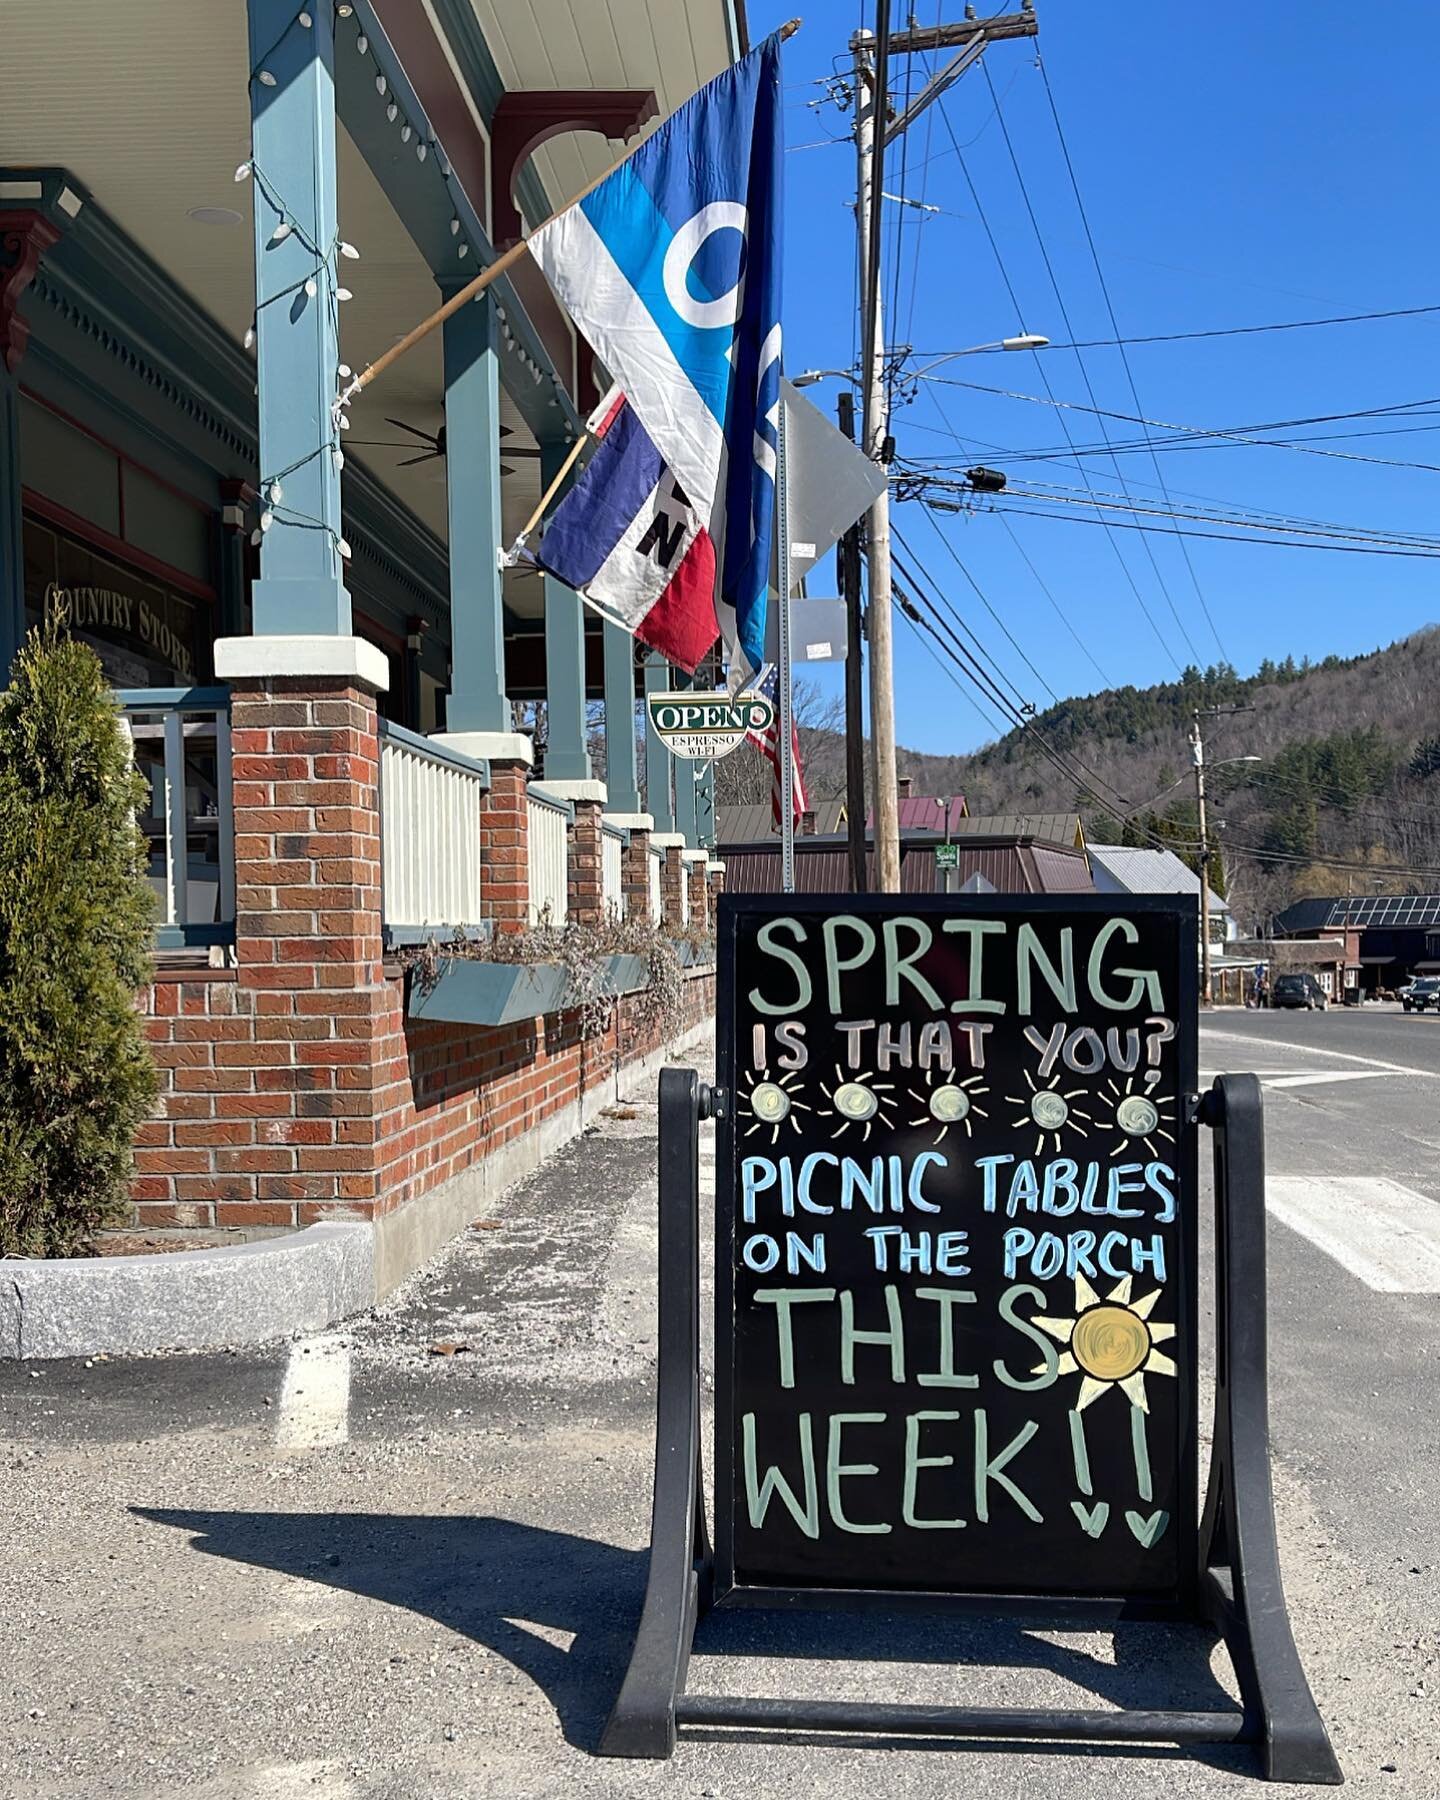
{"x":314,"y":1405}
{"x":1260,"y":1045}
{"x":1289,"y":1081}
{"x":1386,"y":1234}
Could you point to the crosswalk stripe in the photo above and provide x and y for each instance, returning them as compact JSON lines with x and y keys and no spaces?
{"x":1385,"y":1234}
{"x":1208,"y":1035}
{"x":1291,"y":1081}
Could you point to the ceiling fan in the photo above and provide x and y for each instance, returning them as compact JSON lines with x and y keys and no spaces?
{"x":435,"y":445}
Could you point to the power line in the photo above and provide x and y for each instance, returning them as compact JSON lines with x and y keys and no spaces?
{"x":1124,"y":356}
{"x":1079,"y":359}
{"x":1227,"y":331}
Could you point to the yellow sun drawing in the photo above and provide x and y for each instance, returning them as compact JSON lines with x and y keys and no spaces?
{"x":1137,"y":1116}
{"x":772,"y":1103}
{"x":1109,"y":1343}
{"x":860,"y":1100}
{"x":1051,"y":1110}
{"x":948,"y":1103}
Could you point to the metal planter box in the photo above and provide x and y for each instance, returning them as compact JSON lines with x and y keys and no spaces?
{"x":489,"y":993}
{"x":627,"y":974}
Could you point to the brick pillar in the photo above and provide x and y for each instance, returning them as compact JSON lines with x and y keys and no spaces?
{"x":715,"y":876}
{"x":297,"y":1094}
{"x":586,"y":879}
{"x":672,"y":874}
{"x":504,"y":846}
{"x":694,"y":864}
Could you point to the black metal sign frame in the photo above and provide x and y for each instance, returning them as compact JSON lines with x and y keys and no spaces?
{"x":1233,"y":1579}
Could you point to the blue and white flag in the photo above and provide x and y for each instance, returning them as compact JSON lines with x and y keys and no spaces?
{"x":671,"y":270}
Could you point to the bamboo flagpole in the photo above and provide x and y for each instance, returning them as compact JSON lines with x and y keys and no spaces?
{"x":512,"y":555}
{"x":506,"y":260}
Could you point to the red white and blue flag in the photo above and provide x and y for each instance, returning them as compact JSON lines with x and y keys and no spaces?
{"x":767,"y":742}
{"x":671,"y":270}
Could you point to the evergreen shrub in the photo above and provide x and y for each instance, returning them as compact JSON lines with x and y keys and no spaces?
{"x":76,"y":920}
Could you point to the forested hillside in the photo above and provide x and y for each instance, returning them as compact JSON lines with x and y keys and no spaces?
{"x":1345,"y":797}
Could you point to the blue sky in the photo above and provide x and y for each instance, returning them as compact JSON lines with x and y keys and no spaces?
{"x":1281,"y":170}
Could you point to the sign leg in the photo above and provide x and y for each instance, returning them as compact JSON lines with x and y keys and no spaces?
{"x":1240,"y":1586}
{"x":680,"y":1581}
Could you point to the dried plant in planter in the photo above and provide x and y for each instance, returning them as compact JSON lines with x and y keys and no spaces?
{"x":585,"y":951}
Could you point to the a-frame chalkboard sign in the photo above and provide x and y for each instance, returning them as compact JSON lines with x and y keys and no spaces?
{"x":956,"y":1236}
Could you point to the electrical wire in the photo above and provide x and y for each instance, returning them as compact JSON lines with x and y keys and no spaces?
{"x":1030,"y":512}
{"x":1228,"y":331}
{"x":1124,"y":354}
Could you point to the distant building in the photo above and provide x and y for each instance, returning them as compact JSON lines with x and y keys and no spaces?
{"x":1391,"y":936}
{"x":1121,"y":869}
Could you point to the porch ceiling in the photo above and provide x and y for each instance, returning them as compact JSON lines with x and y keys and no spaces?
{"x":146,"y":105}
{"x":672,"y":46}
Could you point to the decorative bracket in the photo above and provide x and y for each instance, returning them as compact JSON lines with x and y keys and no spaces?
{"x":523,"y":121}
{"x":25,"y":236}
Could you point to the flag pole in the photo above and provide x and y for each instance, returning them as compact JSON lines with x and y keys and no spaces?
{"x":472,"y":289}
{"x":513,"y":553}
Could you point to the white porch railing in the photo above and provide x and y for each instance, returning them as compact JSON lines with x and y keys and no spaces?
{"x":429,"y":832}
{"x":549,"y":846}
{"x":181,"y":741}
{"x":613,"y":839}
{"x":657,"y":891}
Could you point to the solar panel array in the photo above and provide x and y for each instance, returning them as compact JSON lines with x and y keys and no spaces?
{"x":1386,"y":911}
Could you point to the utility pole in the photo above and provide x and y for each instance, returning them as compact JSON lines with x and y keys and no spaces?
{"x":1197,"y":751}
{"x":848,"y":556}
{"x":872,"y":61}
{"x":871,"y":53}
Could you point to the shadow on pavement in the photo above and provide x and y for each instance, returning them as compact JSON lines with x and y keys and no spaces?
{"x":490,"y":1578}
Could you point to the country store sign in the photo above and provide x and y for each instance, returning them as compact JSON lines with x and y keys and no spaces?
{"x":701,"y":726}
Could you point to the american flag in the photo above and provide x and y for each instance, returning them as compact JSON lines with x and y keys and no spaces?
{"x":767,"y":742}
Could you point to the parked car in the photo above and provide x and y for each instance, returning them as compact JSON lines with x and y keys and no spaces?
{"x":1422,"y":993}
{"x":1298,"y":990}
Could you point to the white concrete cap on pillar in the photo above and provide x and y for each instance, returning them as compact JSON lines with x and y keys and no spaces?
{"x":667,"y":840}
{"x":488,"y":746}
{"x":631,"y":821}
{"x":294,"y":658}
{"x":578,"y":790}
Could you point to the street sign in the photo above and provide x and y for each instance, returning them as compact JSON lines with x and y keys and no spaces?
{"x":699,"y":726}
{"x":947,"y":856}
{"x":831,"y":481}
{"x":955,"y":1358}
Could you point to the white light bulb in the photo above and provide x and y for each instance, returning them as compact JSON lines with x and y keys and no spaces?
{"x":310,"y":288}
{"x":350,"y":251}
{"x":381,"y":85}
{"x":422,"y":151}
{"x":454,"y":228}
{"x":343,"y":294}
{"x":344,"y":369}
{"x":243,"y":172}
{"x":256,"y":535}
{"x":392,"y":112}
{"x":405,"y":134}
{"x":249,"y":337}
{"x":338,"y":458}
{"x":342,"y":421}
{"x":277,"y":493}
{"x":281,"y":232}
{"x":267,"y":519}
{"x":304,"y":19}
{"x":344,"y":9}
{"x":343,"y":548}
{"x":463,"y":251}
{"x":362,"y":43}
{"x":265,"y":78}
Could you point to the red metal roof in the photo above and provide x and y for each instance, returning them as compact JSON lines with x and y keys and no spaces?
{"x":825,"y":869}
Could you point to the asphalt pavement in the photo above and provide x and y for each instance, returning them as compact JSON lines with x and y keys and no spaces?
{"x":406,"y":1559}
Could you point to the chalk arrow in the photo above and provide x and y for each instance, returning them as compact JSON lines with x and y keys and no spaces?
{"x":1148,"y":1532}
{"x":1093,"y":1519}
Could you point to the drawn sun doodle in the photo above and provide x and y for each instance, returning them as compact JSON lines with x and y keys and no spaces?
{"x":950,"y":1104}
{"x":1051,"y":1110}
{"x":860,"y":1100}
{"x":1137,"y":1117}
{"x":1110,"y":1343}
{"x":773,"y":1104}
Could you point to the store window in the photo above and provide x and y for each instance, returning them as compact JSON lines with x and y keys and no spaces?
{"x":146,"y":632}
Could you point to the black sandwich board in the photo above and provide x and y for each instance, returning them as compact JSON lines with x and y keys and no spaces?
{"x":956,"y":1237}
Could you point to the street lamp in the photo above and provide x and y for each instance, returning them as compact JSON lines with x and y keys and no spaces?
{"x":1028,"y":341}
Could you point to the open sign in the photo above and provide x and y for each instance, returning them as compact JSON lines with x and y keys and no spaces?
{"x":701,"y":726}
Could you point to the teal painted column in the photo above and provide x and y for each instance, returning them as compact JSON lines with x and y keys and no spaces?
{"x":292,"y":126}
{"x":622,"y":779}
{"x":12,"y":549}
{"x":705,"y":805}
{"x":567,"y":755}
{"x":657,"y":758}
{"x":472,"y":441}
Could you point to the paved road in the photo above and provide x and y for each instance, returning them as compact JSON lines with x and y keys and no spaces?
{"x":353,"y":1568}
